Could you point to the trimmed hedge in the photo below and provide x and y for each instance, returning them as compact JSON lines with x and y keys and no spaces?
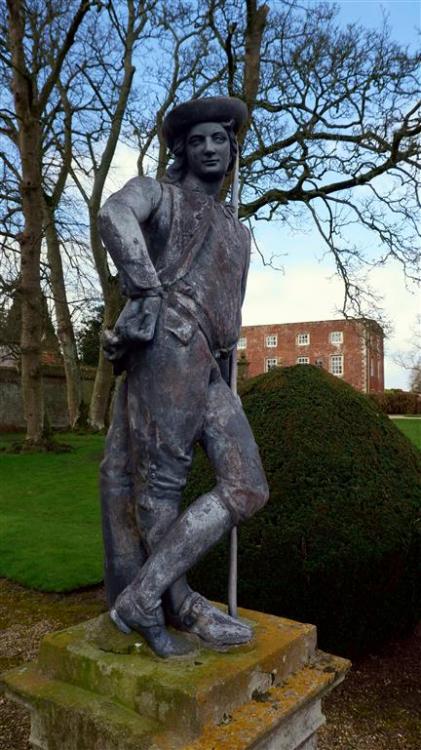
{"x":337,"y":544}
{"x":397,"y":402}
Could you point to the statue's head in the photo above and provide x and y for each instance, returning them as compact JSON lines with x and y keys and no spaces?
{"x":201,"y":134}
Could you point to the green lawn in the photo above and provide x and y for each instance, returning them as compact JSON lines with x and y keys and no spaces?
{"x":411,"y":427}
{"x":50,"y":535}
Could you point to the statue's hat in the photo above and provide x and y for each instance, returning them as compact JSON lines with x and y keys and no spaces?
{"x":207,"y":109}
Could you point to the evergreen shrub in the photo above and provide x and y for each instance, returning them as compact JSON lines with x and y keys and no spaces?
{"x":397,"y":402}
{"x":337,"y":544}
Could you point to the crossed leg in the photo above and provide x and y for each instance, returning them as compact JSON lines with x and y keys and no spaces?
{"x":198,"y":404}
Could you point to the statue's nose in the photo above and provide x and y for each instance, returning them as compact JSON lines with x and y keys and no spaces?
{"x":209,"y":146}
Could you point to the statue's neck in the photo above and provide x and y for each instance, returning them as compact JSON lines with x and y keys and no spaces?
{"x":211,"y":188}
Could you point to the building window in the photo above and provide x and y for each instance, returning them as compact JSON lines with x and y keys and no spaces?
{"x":318,"y":362}
{"x":337,"y":364}
{"x":303,"y":339}
{"x":336,"y":337}
{"x":270,"y":363}
{"x":303,"y":360}
{"x":272,"y":340}
{"x":242,"y":343}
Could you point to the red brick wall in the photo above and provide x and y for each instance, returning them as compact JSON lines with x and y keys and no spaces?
{"x":362,"y":349}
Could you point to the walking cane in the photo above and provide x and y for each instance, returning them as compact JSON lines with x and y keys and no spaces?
{"x":233,"y":575}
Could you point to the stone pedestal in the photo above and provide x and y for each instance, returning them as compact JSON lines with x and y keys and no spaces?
{"x":95,"y":689}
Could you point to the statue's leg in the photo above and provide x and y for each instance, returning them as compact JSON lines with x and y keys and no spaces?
{"x":240,"y":490}
{"x":124,"y":553}
{"x":129,"y":531}
{"x":166,"y":405}
{"x":231,"y":448}
{"x":229,"y":443}
{"x":167,"y":392}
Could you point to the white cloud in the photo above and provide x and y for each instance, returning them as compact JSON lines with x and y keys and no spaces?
{"x":124,"y":167}
{"x":306,"y":292}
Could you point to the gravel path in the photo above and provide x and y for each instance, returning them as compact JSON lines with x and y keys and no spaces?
{"x":378,"y":707}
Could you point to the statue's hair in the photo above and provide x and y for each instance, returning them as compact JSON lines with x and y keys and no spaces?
{"x":178,"y":168}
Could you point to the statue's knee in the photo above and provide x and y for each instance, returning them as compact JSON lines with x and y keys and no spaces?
{"x":258,"y":495}
{"x":244,"y":500}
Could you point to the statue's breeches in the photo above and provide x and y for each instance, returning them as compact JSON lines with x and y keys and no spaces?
{"x":176,"y":397}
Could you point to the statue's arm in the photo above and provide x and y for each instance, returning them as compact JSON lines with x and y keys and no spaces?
{"x":119,"y":222}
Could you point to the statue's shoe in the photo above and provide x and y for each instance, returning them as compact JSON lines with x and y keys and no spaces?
{"x":197,"y":615}
{"x":128,"y":615}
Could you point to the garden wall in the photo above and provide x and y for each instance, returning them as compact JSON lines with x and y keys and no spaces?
{"x":54,"y":383}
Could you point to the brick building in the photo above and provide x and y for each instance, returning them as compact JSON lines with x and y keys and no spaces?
{"x":349,"y":349}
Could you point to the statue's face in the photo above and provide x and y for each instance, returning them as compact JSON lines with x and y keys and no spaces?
{"x":208,"y":151}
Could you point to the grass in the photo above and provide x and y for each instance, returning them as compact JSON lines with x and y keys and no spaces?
{"x":411,"y":427}
{"x":50,"y":536}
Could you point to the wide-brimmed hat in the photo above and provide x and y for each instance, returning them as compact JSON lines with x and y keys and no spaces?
{"x":208,"y":109}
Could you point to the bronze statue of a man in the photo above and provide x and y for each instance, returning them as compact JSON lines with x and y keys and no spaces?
{"x":182,"y":259}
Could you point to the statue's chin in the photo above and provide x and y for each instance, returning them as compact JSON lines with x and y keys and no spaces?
{"x":209,"y":176}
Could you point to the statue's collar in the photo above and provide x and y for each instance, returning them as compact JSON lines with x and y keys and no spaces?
{"x":189,"y":185}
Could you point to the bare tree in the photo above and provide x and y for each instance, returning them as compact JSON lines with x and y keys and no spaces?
{"x":94,"y":147}
{"x":33,"y":79}
{"x":334,"y":130}
{"x":332,"y":139}
{"x":57,"y":159}
{"x":332,"y":136}
{"x":186,"y":67}
{"x":331,"y":142}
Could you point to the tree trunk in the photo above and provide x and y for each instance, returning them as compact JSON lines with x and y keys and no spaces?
{"x":65,"y":330}
{"x":30,"y":290}
{"x":29,"y":140}
{"x":30,"y":104}
{"x":104,"y":377}
{"x":101,"y":393}
{"x":255,"y":26}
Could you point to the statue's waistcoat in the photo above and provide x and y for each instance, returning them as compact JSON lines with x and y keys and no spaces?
{"x":201,"y":254}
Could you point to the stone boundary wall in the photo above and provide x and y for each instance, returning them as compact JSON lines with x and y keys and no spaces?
{"x":54,"y":384}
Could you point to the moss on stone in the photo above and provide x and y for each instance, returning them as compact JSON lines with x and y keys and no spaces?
{"x":88,"y":699}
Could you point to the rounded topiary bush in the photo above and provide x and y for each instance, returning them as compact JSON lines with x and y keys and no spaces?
{"x":337,"y":544}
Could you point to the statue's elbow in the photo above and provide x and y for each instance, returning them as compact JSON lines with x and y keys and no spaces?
{"x":104,"y":218}
{"x":108,"y":222}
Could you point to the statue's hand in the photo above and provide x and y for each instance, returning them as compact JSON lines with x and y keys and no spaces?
{"x":114,"y":348}
{"x":137,"y":321}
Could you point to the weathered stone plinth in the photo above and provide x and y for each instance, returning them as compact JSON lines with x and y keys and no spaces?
{"x":94,"y":689}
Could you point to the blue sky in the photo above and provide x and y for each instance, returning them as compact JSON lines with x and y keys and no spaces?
{"x":404,"y":16}
{"x":307,"y":288}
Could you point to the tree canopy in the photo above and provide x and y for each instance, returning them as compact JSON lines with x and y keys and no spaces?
{"x":332,"y":139}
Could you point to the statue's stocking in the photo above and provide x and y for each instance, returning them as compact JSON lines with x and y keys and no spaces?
{"x":153,"y":523}
{"x":196,"y":531}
